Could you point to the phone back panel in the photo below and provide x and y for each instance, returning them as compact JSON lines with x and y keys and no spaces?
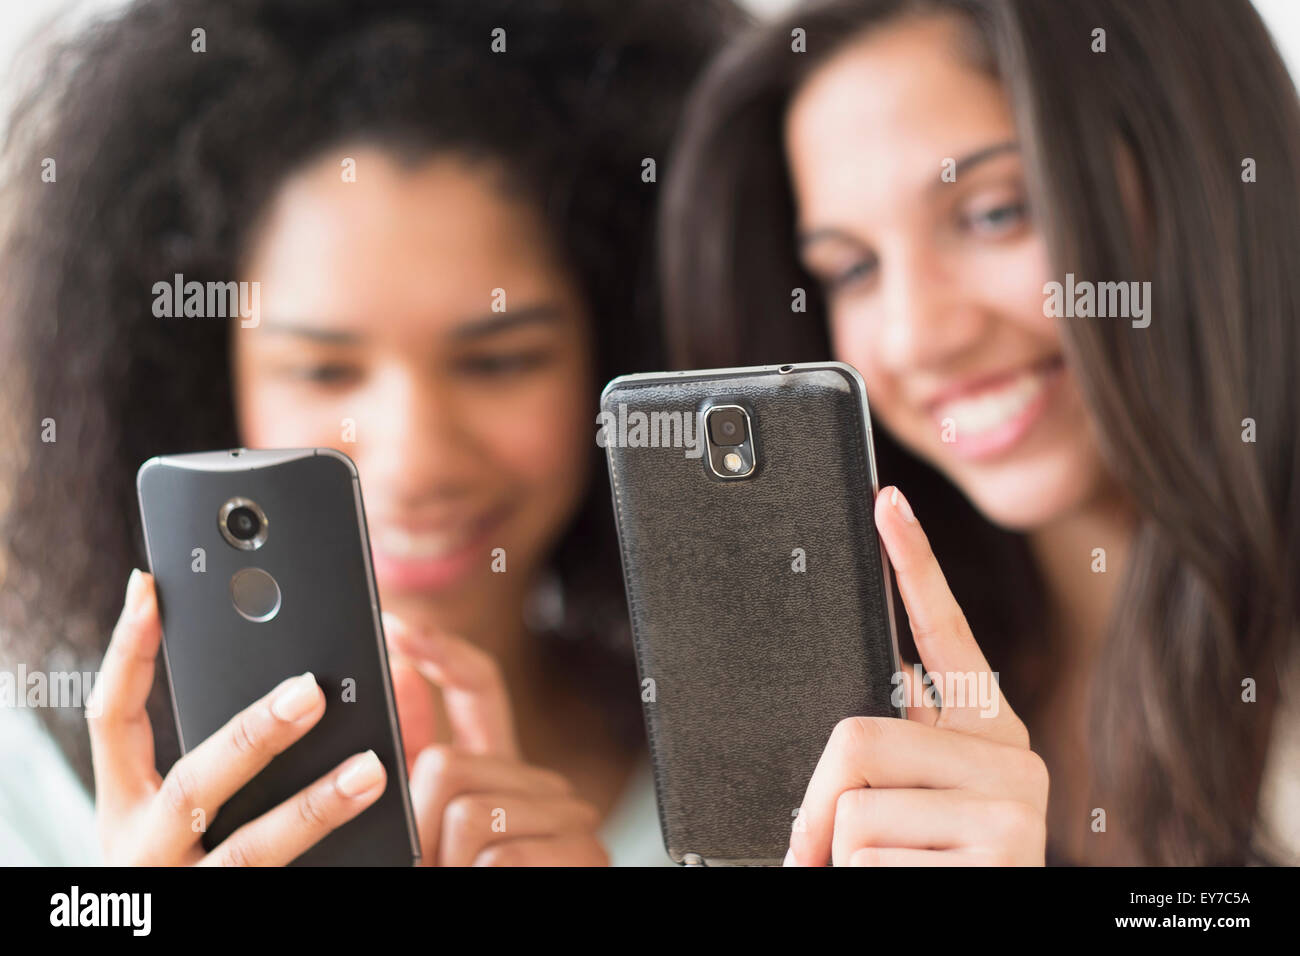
{"x":219,"y":662}
{"x":761,"y":607}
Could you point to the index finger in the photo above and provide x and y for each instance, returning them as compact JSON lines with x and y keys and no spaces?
{"x":121,"y":739}
{"x":473,"y":691}
{"x":942,"y":635}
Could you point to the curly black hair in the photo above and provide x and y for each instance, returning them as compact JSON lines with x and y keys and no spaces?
{"x":164,"y":158}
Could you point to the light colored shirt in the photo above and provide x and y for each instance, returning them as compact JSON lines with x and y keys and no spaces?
{"x":46,"y":816}
{"x":631,"y":832}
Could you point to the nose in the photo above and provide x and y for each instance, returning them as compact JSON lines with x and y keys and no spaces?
{"x":416,"y":449}
{"x":930,"y":317}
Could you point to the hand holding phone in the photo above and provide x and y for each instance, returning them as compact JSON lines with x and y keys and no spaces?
{"x":946,"y":787}
{"x":262,"y":568}
{"x":760,"y":600}
{"x":151,"y":821}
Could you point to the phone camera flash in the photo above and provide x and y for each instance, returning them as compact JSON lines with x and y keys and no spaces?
{"x":733,"y":462}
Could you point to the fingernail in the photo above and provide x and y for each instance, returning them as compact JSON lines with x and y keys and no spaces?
{"x":365,"y":773}
{"x":133,"y":588}
{"x":898,"y":501}
{"x":295,"y":700}
{"x":393,"y":625}
{"x":789,"y":858}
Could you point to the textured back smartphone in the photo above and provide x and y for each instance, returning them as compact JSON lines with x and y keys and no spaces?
{"x":760,"y":597}
{"x":262,"y":564}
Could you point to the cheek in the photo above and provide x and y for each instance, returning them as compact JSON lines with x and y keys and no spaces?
{"x":850,"y":332}
{"x":538,"y":432}
{"x":544,"y":440}
{"x":1009,"y":284}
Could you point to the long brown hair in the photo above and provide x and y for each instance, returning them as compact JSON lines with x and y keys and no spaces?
{"x":1189,"y":90}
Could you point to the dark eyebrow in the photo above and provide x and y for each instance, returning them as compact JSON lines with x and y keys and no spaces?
{"x":495,"y":322}
{"x":982,"y":155}
{"x":327,"y":336}
{"x":963,"y":165}
{"x":472,"y":330}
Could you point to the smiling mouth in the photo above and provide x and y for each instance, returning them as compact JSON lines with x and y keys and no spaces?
{"x":415,"y":546}
{"x":995,"y":413}
{"x":432,"y":558}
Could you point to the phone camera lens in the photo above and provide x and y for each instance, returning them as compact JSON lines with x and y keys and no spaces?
{"x":727,"y":427}
{"x":243,"y":524}
{"x":731,"y":441}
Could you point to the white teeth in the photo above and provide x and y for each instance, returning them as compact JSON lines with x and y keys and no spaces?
{"x":993,"y":407}
{"x":429,"y":544}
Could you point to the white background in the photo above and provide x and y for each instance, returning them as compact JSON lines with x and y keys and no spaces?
{"x":26,"y":24}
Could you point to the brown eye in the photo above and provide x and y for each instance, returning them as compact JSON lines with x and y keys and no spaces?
{"x":332,"y":373}
{"x":503,"y":364}
{"x":998,"y":221}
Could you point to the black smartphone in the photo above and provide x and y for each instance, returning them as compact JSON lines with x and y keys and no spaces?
{"x":262,"y":566}
{"x":760,"y":597}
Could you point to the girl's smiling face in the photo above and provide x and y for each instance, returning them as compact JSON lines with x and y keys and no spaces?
{"x":383,"y":335}
{"x":935,"y":287}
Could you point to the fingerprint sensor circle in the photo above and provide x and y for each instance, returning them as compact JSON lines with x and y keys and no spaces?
{"x":256,"y":595}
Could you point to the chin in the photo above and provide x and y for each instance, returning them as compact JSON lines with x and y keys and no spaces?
{"x":1026,"y":496}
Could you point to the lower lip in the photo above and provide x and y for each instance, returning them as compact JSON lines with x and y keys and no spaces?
{"x":1002,"y":438}
{"x":434,"y":574}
